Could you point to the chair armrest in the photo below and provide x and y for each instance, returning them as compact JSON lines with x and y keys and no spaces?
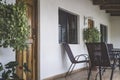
{"x":82,"y":55}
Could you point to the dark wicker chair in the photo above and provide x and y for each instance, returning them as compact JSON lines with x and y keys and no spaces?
{"x":74,"y":60}
{"x":113,"y":54}
{"x":110,"y":47}
{"x":99,"y":57}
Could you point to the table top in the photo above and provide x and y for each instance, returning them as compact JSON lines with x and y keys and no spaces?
{"x":115,"y":50}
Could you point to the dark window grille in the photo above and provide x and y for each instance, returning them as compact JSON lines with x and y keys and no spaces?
{"x":67,"y":27}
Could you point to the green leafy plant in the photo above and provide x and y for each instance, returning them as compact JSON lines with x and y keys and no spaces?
{"x":91,"y":35}
{"x":9,"y":70}
{"x":14,"y":32}
{"x":14,"y":28}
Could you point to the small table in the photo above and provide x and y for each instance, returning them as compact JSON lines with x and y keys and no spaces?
{"x":116,"y":50}
{"x":116,"y":54}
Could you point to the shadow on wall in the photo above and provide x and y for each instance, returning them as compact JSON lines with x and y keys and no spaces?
{"x":64,"y":58}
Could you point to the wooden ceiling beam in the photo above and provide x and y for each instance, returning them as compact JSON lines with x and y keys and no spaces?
{"x":110,"y":6}
{"x":116,"y":7}
{"x":105,"y":2}
{"x":112,"y":11}
{"x":115,"y":14}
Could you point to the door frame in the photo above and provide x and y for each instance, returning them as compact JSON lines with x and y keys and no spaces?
{"x":37,"y":38}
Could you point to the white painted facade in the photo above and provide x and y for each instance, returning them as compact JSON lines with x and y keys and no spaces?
{"x":115,"y":31}
{"x":6,"y":55}
{"x":52,"y":59}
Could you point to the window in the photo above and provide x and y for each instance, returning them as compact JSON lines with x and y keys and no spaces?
{"x":67,"y":27}
{"x":103,"y":30}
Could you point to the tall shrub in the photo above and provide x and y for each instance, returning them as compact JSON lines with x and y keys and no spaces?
{"x":14,"y":28}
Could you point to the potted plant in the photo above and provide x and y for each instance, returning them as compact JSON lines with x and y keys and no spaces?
{"x":14,"y":32}
{"x":91,"y":35}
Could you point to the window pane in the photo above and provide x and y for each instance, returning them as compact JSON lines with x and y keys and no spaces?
{"x":67,"y":27}
{"x":62,"y":26}
{"x":72,"y":22}
{"x":103,"y":30}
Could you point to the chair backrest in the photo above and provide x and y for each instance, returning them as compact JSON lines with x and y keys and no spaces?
{"x":110,"y":47}
{"x":69,"y":52}
{"x":98,"y":53}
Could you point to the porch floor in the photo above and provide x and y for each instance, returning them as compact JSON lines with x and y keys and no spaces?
{"x":82,"y":75}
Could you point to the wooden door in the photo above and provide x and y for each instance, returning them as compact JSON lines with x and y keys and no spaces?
{"x":29,"y":56}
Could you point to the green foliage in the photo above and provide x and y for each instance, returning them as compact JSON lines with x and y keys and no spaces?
{"x":14,"y":28}
{"x":91,"y":35}
{"x":9,"y":70}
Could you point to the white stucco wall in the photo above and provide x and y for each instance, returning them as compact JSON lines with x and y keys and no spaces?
{"x":115,"y":31}
{"x":52,"y":60}
{"x":6,"y":55}
{"x":9,"y":1}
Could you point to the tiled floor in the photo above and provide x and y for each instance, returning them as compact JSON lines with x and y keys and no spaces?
{"x":83,"y":75}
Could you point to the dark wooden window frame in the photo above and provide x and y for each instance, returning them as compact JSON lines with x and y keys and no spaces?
{"x":68,"y":28}
{"x":104,"y":33}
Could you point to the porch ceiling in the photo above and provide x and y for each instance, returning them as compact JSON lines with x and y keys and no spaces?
{"x":110,"y":6}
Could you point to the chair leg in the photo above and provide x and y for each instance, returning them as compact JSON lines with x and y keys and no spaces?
{"x":89,"y":73}
{"x":112,"y":73}
{"x":96,"y":76}
{"x":103,"y":70}
{"x":72,"y":68}
{"x":119,"y":62}
{"x":68,"y":70}
{"x":100,"y":73}
{"x":113,"y":67}
{"x":87,"y":66}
